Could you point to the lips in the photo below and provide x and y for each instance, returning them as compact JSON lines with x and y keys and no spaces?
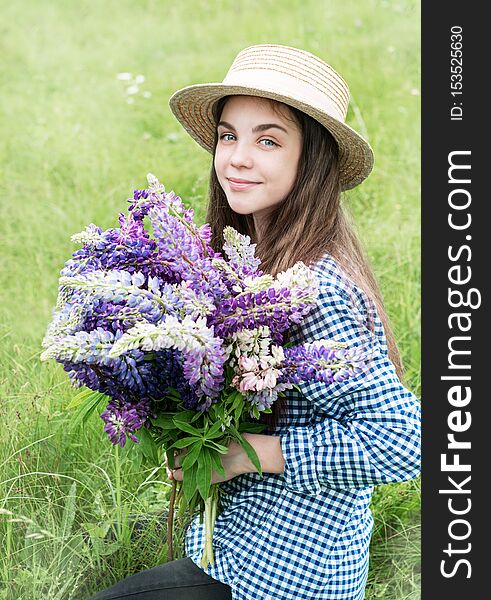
{"x":241,"y":184}
{"x":236,"y":180}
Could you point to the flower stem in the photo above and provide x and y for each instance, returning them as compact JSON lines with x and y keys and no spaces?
{"x":119,"y":508}
{"x":170,"y":521}
{"x":210,"y":517}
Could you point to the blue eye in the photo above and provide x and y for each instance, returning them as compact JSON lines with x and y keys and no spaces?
{"x":224,"y":134}
{"x":267,"y":140}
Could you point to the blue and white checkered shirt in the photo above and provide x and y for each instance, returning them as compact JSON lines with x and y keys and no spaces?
{"x":305,"y":534}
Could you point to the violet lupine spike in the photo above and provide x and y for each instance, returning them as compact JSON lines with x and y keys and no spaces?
{"x":320,"y":363}
{"x":124,"y":419}
{"x":272,"y":307}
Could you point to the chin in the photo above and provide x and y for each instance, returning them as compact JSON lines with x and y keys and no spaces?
{"x":238,"y":207}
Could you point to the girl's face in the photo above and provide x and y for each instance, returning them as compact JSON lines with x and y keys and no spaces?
{"x":256,"y":157}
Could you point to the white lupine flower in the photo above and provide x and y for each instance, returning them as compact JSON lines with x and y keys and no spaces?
{"x":278,"y":354}
{"x":171,"y":333}
{"x":64,"y":323}
{"x":154,"y":184}
{"x":252,"y":341}
{"x":124,"y":76}
{"x":139,"y":79}
{"x":90,"y":235}
{"x":132,"y":89}
{"x":297,"y":276}
{"x":195,"y":305}
{"x":257,"y":284}
{"x":270,"y":378}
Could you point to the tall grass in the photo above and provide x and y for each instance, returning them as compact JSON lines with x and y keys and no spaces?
{"x":72,"y":150}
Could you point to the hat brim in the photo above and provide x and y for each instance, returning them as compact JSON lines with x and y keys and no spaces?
{"x":193,"y":108}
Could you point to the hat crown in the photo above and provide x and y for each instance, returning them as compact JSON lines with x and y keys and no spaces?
{"x":292,"y":71}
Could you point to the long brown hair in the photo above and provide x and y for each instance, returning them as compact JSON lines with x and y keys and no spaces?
{"x":308,"y":223}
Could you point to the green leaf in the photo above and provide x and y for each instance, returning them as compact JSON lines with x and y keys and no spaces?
{"x":173,"y":393}
{"x":187,"y":428}
{"x":69,"y":511}
{"x":147,"y":445}
{"x":185,"y":442}
{"x":239,"y":401}
{"x":189,"y":482}
{"x":169,"y":453}
{"x":185,"y":415}
{"x":214,"y":431}
{"x":80,"y":397}
{"x":238,"y":406}
{"x":164,"y":420}
{"x":93,"y":401}
{"x":254,"y":412}
{"x":216,"y":446}
{"x":203,"y":475}
{"x":216,"y":464}
{"x":192,"y":455}
{"x":252,"y":427}
{"x":251,"y":453}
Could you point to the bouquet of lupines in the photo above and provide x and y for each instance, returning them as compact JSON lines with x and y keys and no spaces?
{"x":184,"y":344}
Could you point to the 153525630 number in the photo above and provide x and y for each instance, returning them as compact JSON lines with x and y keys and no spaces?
{"x":456,"y":63}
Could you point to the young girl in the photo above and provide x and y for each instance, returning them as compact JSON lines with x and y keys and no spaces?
{"x":282,"y":156}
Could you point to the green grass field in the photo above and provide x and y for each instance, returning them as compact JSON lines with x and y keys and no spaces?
{"x":72,"y":151}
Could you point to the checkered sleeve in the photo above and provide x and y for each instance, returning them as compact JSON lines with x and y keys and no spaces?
{"x":368,"y":429}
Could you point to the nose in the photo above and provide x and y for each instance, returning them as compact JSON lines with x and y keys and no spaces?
{"x":241,"y":156}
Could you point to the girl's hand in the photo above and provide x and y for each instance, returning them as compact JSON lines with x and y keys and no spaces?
{"x":234,"y":463}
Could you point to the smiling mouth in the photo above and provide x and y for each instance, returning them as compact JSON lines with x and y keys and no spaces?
{"x":234,"y":180}
{"x":242,"y":185}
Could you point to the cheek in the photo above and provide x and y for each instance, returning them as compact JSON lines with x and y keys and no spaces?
{"x":219,"y":163}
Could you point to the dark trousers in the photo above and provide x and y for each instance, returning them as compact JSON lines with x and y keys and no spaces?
{"x":175,"y":580}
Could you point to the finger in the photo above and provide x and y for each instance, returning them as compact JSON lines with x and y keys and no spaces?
{"x":177,"y":475}
{"x":178,"y":457}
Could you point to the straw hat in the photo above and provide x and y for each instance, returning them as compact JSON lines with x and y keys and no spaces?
{"x":289,"y":75}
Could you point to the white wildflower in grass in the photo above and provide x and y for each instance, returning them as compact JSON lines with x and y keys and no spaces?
{"x":133,"y":84}
{"x":172,"y":137}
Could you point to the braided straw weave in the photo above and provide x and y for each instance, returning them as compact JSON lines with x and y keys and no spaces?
{"x":289,"y":75}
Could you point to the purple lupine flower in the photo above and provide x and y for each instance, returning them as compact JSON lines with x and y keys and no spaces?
{"x":123,"y":419}
{"x":319,"y":363}
{"x":271,"y":307}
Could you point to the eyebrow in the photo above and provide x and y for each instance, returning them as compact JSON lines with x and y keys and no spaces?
{"x":262,"y":127}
